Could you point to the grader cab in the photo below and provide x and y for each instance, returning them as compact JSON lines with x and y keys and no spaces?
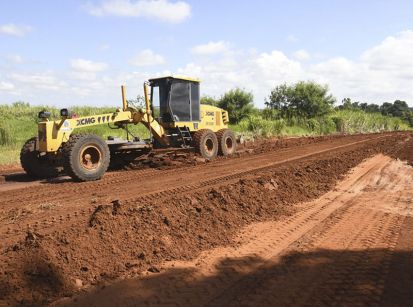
{"x":172,"y":113}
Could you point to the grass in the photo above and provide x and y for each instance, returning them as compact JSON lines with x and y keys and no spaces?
{"x":357,"y":121}
{"x":340,"y":121}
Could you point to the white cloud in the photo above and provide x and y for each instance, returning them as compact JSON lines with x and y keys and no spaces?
{"x":44,"y":81}
{"x":381,"y":73}
{"x":15,"y":30}
{"x":6,"y":86}
{"x":164,"y":10}
{"x":394,"y":53}
{"x":147,"y":58}
{"x":83,"y":65}
{"x":277,"y":63}
{"x":301,"y":55}
{"x":211,"y":48}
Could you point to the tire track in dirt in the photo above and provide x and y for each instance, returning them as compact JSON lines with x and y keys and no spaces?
{"x":355,"y":228}
{"x":126,"y":176}
{"x":345,"y":235}
{"x":174,"y":186}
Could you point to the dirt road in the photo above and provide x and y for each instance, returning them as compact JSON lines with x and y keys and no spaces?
{"x":337,"y":250}
{"x":60,"y":237}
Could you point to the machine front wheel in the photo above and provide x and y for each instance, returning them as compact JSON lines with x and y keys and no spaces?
{"x":34,"y":164}
{"x":86,"y":157}
{"x":206,"y":143}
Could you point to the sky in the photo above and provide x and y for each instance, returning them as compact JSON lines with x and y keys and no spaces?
{"x":79,"y":52}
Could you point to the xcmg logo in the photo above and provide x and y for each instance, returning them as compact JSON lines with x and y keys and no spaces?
{"x":86,"y":121}
{"x":92,"y":120}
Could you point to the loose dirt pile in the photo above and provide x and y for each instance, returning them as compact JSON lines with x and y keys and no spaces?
{"x":125,"y":238}
{"x":405,"y":152}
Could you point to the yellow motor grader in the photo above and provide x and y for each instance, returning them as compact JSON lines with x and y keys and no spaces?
{"x":180,"y":122}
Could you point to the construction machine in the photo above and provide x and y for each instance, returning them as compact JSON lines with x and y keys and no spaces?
{"x":172,"y":114}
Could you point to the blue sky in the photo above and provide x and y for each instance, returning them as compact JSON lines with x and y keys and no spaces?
{"x":80,"y":52}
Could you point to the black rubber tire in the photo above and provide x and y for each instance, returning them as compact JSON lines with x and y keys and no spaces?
{"x":75,"y":147}
{"x":33,"y":164}
{"x":206,"y":143}
{"x":227,"y":144}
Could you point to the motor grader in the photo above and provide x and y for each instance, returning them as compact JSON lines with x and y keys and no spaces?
{"x":172,"y":113}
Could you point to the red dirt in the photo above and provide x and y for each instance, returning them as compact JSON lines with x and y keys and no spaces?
{"x":349,"y":247}
{"x":61,"y":236}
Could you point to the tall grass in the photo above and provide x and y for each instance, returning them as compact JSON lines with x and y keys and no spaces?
{"x":357,"y":121}
{"x":340,"y":121}
{"x":262,"y":127}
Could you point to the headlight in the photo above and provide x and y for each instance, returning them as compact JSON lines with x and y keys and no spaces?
{"x":44,"y":114}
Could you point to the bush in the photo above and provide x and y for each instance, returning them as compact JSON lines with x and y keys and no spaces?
{"x":238,"y":103}
{"x":209,"y":101}
{"x":304,"y":99}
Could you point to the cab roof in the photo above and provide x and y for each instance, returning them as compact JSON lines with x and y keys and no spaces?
{"x":177,"y":78}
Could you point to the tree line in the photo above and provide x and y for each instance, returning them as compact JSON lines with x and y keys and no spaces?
{"x":305,"y":99}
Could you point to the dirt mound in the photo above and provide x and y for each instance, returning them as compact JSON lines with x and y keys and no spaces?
{"x":122,"y":239}
{"x":405,"y":151}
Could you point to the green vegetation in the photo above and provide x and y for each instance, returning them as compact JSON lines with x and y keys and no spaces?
{"x":303,"y":99}
{"x":338,"y":121}
{"x":301,"y":109}
{"x":238,"y":103}
{"x":307,"y":108}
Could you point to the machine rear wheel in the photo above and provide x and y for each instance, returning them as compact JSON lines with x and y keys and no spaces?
{"x":227,"y":144}
{"x":86,"y":157}
{"x":206,"y":143}
{"x":34,"y":164}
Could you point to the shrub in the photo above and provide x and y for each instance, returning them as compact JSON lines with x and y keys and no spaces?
{"x":304,"y":99}
{"x":238,"y":103}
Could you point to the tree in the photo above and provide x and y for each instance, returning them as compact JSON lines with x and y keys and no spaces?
{"x":400,"y":108}
{"x":386,"y":108}
{"x":363,"y":106}
{"x":312,"y":99}
{"x":279,"y":97}
{"x":305,"y":98}
{"x":209,"y":100}
{"x":346,"y":104}
{"x":373,"y":108}
{"x":238,"y":103}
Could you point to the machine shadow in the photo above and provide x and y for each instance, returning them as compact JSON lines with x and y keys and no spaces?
{"x":18,"y":177}
{"x":24,"y":178}
{"x":329,"y":277}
